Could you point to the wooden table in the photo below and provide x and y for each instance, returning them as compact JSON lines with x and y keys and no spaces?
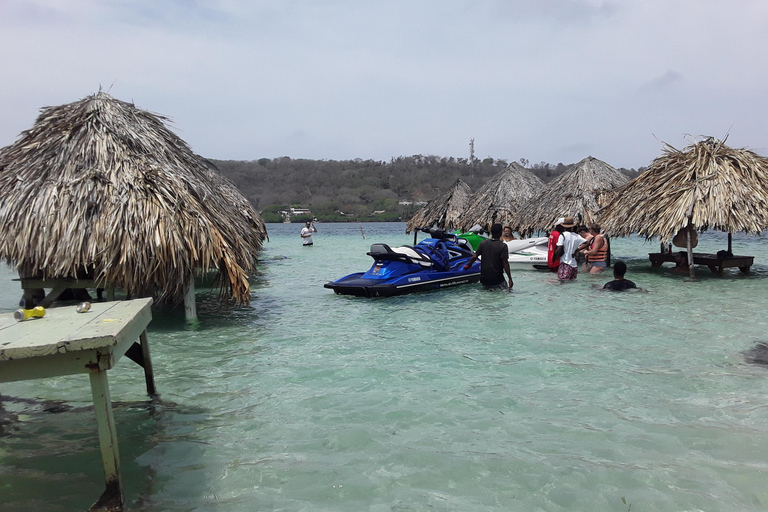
{"x":65,"y":342}
{"x":715,"y":263}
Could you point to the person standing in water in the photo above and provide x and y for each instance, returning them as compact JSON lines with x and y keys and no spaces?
{"x":567,"y":245}
{"x":552,"y":262}
{"x":507,"y":235}
{"x":306,"y":233}
{"x":494,"y":261}
{"x":596,"y":252}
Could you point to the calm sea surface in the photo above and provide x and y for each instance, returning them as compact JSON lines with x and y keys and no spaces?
{"x":552,"y":398}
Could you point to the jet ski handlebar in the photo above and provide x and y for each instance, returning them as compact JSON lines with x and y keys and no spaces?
{"x":439,"y":234}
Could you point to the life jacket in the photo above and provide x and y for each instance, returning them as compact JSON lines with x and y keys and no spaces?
{"x":551,"y":246}
{"x":602,"y":253}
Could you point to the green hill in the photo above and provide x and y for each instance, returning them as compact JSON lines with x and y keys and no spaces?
{"x":346,"y":190}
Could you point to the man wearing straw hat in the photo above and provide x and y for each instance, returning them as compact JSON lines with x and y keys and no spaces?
{"x":568,"y":244}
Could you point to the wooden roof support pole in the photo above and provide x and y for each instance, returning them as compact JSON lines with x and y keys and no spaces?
{"x":190,"y":309}
{"x":688,"y":237}
{"x":730,"y":242}
{"x":688,"y":234}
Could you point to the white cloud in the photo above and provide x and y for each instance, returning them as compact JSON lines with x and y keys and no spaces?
{"x":543,"y":80}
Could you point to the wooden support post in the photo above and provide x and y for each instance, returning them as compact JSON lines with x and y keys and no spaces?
{"x":111,"y":293}
{"x":149,"y":374}
{"x":190,"y":309}
{"x":730,"y":242}
{"x":688,"y":237}
{"x":29,"y":298}
{"x":113,"y":498}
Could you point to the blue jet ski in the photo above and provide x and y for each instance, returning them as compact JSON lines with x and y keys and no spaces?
{"x":435,"y":262}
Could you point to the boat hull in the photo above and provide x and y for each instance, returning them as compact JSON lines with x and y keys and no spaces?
{"x":525,"y":253}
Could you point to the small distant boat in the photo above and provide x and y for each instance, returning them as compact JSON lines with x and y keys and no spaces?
{"x":434,"y":263}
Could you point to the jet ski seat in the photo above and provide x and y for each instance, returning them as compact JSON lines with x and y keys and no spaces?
{"x":404,"y":253}
{"x":462,"y":242}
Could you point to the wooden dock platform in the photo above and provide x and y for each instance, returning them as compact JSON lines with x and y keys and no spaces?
{"x":65,"y":342}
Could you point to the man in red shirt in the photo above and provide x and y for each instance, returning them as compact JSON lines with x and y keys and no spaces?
{"x":554,"y":236}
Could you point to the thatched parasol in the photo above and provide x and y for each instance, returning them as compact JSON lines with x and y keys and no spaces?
{"x":708,"y":185}
{"x":499,"y":199}
{"x":578,"y":193}
{"x":444,"y":210}
{"x":100,"y":188}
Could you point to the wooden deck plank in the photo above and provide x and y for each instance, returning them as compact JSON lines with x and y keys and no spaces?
{"x":63,"y":330}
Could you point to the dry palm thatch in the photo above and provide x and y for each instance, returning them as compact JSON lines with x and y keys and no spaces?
{"x":499,"y":199}
{"x":100,"y":188}
{"x":578,"y":193}
{"x":708,"y":185}
{"x":443,"y":211}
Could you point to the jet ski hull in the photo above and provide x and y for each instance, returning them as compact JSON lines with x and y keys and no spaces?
{"x":360,"y":286}
{"x":434,"y":263}
{"x":525,"y":253}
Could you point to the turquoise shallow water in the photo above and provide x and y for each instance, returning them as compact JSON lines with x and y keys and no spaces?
{"x":555,"y":397}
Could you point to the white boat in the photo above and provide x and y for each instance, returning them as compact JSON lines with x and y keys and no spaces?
{"x":525,"y":253}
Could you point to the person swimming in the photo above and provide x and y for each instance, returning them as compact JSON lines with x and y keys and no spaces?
{"x":681,"y":263}
{"x":619,"y":283}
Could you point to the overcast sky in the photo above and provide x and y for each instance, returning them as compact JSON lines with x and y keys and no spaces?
{"x":545,"y":80}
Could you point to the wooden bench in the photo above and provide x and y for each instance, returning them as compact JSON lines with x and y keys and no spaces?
{"x":715,"y":263}
{"x":57,"y":286}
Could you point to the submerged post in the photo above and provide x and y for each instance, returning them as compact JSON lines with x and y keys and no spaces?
{"x":190,"y":309}
{"x":149,"y":372}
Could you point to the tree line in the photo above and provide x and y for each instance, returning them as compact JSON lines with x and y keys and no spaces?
{"x":352,"y":190}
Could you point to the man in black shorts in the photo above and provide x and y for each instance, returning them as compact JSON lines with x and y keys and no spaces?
{"x":494,"y":261}
{"x":619,"y":283}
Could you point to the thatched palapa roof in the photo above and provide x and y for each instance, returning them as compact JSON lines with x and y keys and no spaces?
{"x":101,"y":188}
{"x":443,"y":211}
{"x":499,"y":199}
{"x":713,"y":185}
{"x":578,"y":193}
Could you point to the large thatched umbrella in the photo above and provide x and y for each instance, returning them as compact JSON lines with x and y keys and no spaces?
{"x":708,"y":185}
{"x":99,"y":188}
{"x":499,"y":199}
{"x":444,"y":210}
{"x":578,"y":193}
